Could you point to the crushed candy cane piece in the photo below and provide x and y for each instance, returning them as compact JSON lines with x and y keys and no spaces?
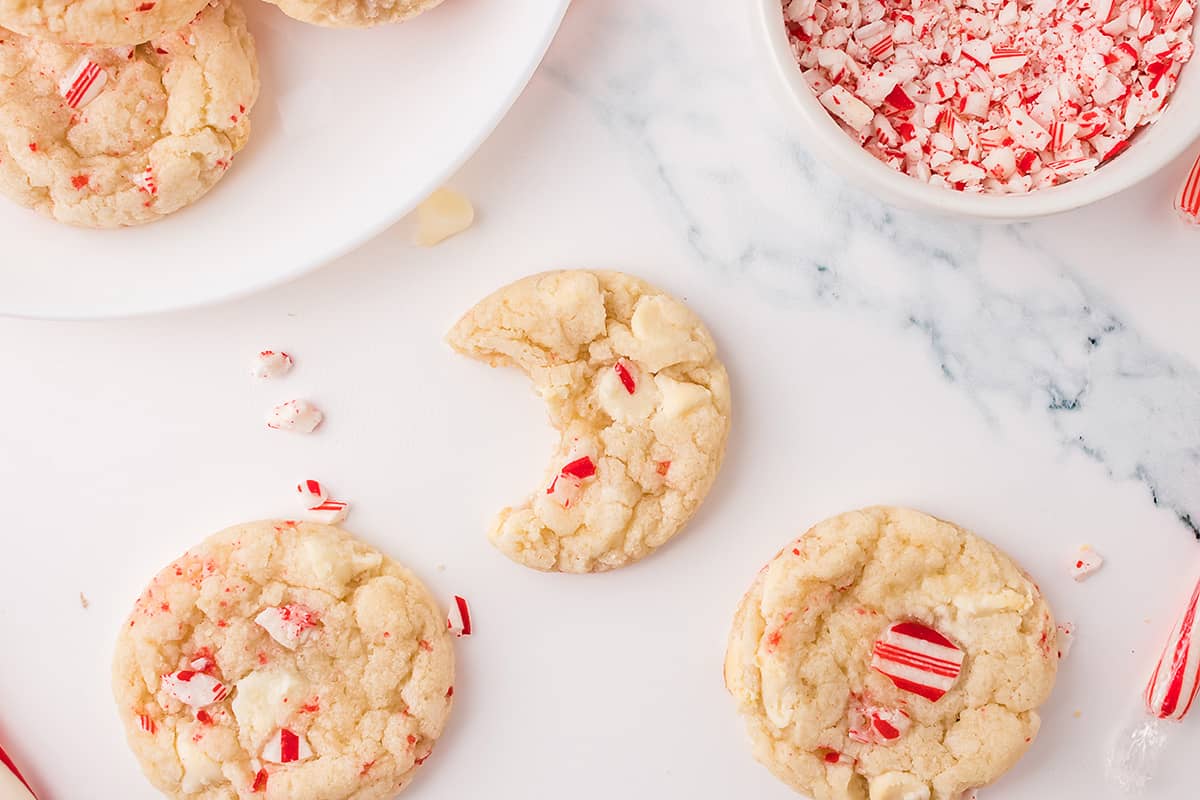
{"x":622,"y":368}
{"x":1187,"y":202}
{"x":312,"y":493}
{"x":195,"y":689}
{"x":1176,"y":680}
{"x":443,"y":214}
{"x":1066,"y":638}
{"x":146,"y":724}
{"x":146,"y":182}
{"x":6,"y":763}
{"x":82,"y":84}
{"x":837,"y":757}
{"x":1087,"y":562}
{"x":270,"y":364}
{"x":287,"y":624}
{"x":260,"y":781}
{"x":877,"y":725}
{"x":458,"y":621}
{"x":580,"y":468}
{"x":329,"y":512}
{"x":286,"y":747}
{"x":930,"y":88}
{"x":295,"y":415}
{"x":918,"y":659}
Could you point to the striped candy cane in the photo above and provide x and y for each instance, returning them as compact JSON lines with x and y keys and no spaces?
{"x":1187,"y":202}
{"x":12,"y":785}
{"x":1169,"y":695}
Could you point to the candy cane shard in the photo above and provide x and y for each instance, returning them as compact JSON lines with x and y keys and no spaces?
{"x":312,"y":493}
{"x":1173,"y":686}
{"x":918,"y":659}
{"x":1187,"y":202}
{"x":13,"y":785}
{"x":285,"y":747}
{"x":458,"y":621}
{"x":329,"y":512}
{"x":193,"y":688}
{"x":82,"y":84}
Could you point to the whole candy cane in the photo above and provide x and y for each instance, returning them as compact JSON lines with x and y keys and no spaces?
{"x":1169,"y":696}
{"x":12,"y":785}
{"x":1187,"y":201}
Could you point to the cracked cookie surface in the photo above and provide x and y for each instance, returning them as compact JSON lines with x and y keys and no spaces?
{"x":353,"y":13}
{"x":799,"y":662}
{"x":325,"y":669}
{"x":98,"y":22}
{"x":156,"y":128}
{"x":632,"y":382}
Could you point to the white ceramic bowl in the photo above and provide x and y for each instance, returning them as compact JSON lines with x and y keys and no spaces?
{"x":1153,"y":147}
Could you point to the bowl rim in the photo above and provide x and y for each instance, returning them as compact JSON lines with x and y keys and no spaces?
{"x":825,"y":135}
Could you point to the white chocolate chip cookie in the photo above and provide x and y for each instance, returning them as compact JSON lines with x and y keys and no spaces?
{"x":104,"y":137}
{"x":283,"y":661}
{"x":353,"y":13}
{"x":888,"y":655}
{"x":98,"y":22}
{"x":633,"y":384}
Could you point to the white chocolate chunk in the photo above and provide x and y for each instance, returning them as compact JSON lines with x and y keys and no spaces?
{"x":199,"y":770}
{"x":259,"y":703}
{"x":443,"y":214}
{"x":978,"y":605}
{"x":616,"y":400}
{"x":679,"y":397}
{"x":898,"y":786}
{"x":662,"y":333}
{"x":319,"y":565}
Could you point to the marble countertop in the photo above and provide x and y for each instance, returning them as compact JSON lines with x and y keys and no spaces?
{"x":1037,"y":383}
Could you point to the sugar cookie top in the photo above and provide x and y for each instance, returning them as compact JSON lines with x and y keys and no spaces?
{"x":890,"y":655}
{"x":633,"y":384}
{"x":353,"y":13}
{"x":104,"y":137}
{"x":98,"y":22}
{"x":283,"y":661}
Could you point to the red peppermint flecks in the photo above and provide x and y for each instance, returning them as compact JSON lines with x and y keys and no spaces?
{"x":580,"y":468}
{"x":289,"y":747}
{"x":260,"y":781}
{"x":79,"y":181}
{"x":622,"y":369}
{"x":146,"y":6}
{"x":663,"y":466}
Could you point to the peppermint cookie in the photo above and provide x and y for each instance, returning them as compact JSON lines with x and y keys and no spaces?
{"x":104,"y":137}
{"x":888,"y":655}
{"x":98,"y":22}
{"x":353,"y":13}
{"x":285,"y":661}
{"x":633,"y":385}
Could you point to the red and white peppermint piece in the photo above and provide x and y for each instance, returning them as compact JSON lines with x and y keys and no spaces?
{"x":300,"y":416}
{"x":195,"y":689}
{"x":147,"y":724}
{"x":146,"y":182}
{"x":567,"y":485}
{"x":287,"y":624}
{"x":202,"y":664}
{"x":270,"y":364}
{"x":624,"y":370}
{"x":835,"y":757}
{"x":285,"y":747}
{"x":19,"y":789}
{"x":458,"y":621}
{"x":877,"y":725}
{"x":312,"y":493}
{"x":1065,"y":638}
{"x":1187,"y":202}
{"x":82,"y":84}
{"x":1176,"y":679}
{"x":330,"y":512}
{"x":918,"y":659}
{"x":1085,"y":563}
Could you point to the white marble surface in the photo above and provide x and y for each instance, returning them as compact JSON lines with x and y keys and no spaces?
{"x":1036,"y":383}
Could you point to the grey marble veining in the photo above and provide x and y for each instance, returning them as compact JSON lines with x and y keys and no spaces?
{"x":689,"y":101}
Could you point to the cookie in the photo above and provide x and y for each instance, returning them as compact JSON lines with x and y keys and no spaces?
{"x":888,"y":655}
{"x":353,"y":13}
{"x":98,"y":22}
{"x":283,"y":661}
{"x":633,"y":384}
{"x":104,"y":137}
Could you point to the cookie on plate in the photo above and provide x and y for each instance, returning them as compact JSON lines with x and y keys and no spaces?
{"x":634,"y":386}
{"x":98,"y":22}
{"x":286,"y":661}
{"x":104,"y":137}
{"x":888,"y":655}
{"x":353,"y":13}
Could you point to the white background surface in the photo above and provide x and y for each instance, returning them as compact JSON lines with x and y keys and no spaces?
{"x":352,"y":129}
{"x":918,"y":367}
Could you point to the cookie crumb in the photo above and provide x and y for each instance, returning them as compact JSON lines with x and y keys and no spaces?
{"x":1066,"y":638}
{"x":443,"y":214}
{"x":1077,"y":714}
{"x":83,"y":601}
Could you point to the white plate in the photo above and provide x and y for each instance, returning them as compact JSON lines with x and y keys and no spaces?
{"x":352,"y":130}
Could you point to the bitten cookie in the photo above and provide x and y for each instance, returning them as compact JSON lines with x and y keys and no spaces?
{"x":633,"y":385}
{"x":104,"y":137}
{"x":890,"y":655}
{"x":98,"y":22}
{"x":283,"y":661}
{"x":353,"y":13}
